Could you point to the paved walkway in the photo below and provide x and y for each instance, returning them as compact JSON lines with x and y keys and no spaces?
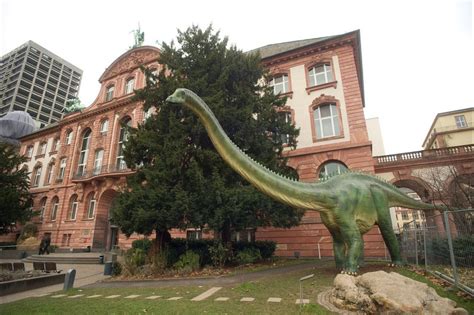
{"x":208,"y":281}
{"x":85,"y":274}
{"x":91,"y":276}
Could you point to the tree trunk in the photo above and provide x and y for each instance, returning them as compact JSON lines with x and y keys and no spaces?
{"x":161,"y":240}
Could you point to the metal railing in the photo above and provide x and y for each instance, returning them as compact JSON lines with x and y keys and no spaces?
{"x":105,"y":169}
{"x":445,"y":249}
{"x":425,"y":154}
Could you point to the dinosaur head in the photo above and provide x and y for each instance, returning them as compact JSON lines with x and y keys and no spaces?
{"x":178,"y":97}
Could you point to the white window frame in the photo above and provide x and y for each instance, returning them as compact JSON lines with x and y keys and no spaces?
{"x":37,"y":175}
{"x":69,"y":135}
{"x":109,"y":93}
{"x":104,"y":126}
{"x":98,"y":158}
{"x":62,"y":168}
{"x":57,"y":144}
{"x":73,"y":210}
{"x":49,"y":174}
{"x":91,"y":208}
{"x":287,"y":115}
{"x":42,"y":208}
{"x":333,"y":117}
{"x":324,"y":174}
{"x":54,"y":209}
{"x":83,"y":155}
{"x":42,"y":148}
{"x":123,"y":135}
{"x":460,"y":121}
{"x":314,"y":74}
{"x":280,"y":87}
{"x":129,"y":85}
{"x":29,"y":151}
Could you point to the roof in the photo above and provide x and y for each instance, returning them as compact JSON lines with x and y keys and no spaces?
{"x":279,"y":48}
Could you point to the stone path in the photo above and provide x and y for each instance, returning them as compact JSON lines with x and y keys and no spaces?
{"x":201,"y":297}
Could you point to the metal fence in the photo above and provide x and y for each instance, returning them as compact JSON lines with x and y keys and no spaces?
{"x":444,"y":247}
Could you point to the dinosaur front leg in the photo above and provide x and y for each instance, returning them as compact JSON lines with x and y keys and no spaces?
{"x":339,"y":249}
{"x":352,"y":237}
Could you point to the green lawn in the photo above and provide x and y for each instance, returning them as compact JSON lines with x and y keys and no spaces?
{"x":284,"y":286}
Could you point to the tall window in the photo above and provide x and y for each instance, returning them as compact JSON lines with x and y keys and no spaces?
{"x":56,"y":144}
{"x":91,"y":206}
{"x":460,"y":121}
{"x":104,"y":126}
{"x":109,"y":94}
{"x":286,"y":116}
{"x":320,"y":74}
{"x":62,"y":169}
{"x":73,"y":205}
{"x":99,"y":155}
{"x":36,"y":175}
{"x":49,"y":173}
{"x":326,"y":120}
{"x":42,"y":208}
{"x":330,"y":169}
{"x":123,"y":135}
{"x":42,"y":148}
{"x":68,"y":137}
{"x":29,"y":151}
{"x":280,"y":84}
{"x":129,"y":86}
{"x":81,"y":167}
{"x":54,"y":208}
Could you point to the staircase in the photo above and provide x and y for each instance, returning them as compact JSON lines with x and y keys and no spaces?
{"x":67,"y":258}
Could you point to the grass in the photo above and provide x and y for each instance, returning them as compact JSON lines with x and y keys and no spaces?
{"x":285,"y":286}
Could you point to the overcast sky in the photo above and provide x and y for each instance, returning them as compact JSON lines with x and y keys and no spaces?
{"x":418,"y":56}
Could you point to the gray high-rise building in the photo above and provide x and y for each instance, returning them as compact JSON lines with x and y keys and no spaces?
{"x":35,"y":80}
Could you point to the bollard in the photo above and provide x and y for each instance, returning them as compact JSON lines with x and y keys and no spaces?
{"x":101,"y":259}
{"x":108,"y":268}
{"x":69,"y":279}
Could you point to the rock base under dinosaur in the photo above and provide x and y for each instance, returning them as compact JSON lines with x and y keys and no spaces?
{"x":387,"y":293}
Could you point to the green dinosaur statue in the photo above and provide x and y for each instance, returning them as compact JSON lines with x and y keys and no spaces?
{"x":350,"y":204}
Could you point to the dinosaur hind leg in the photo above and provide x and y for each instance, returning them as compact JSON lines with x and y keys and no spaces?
{"x":385,"y":225}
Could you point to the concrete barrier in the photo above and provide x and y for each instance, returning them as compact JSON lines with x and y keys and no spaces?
{"x":20,"y":285}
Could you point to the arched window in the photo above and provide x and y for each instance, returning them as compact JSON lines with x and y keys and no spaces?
{"x":91,"y":205}
{"x":29,"y":151}
{"x":49,"y":172}
{"x":280,"y":84}
{"x":326,"y":121}
{"x":62,"y":169}
{"x":42,"y":148}
{"x":54,"y":208}
{"x":36,"y":175}
{"x":109,"y":94}
{"x":98,"y":157}
{"x":81,"y":167}
{"x":42,"y":207}
{"x":68,"y":139}
{"x":104,"y":126}
{"x":320,"y":74}
{"x":73,"y":205}
{"x":331,"y":168}
{"x":129,"y":85}
{"x":123,"y":135}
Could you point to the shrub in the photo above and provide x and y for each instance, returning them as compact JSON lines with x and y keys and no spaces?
{"x":267,"y":248}
{"x":116,"y":268}
{"x":144,"y":244}
{"x":248,"y":256}
{"x":134,"y":258}
{"x":159,"y":262}
{"x":188,"y":262}
{"x":219,"y":254}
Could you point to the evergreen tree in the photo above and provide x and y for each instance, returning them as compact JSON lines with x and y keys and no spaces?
{"x":15,"y":198}
{"x":181,"y":181}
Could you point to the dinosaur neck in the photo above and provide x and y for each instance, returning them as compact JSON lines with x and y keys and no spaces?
{"x":285,"y":190}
